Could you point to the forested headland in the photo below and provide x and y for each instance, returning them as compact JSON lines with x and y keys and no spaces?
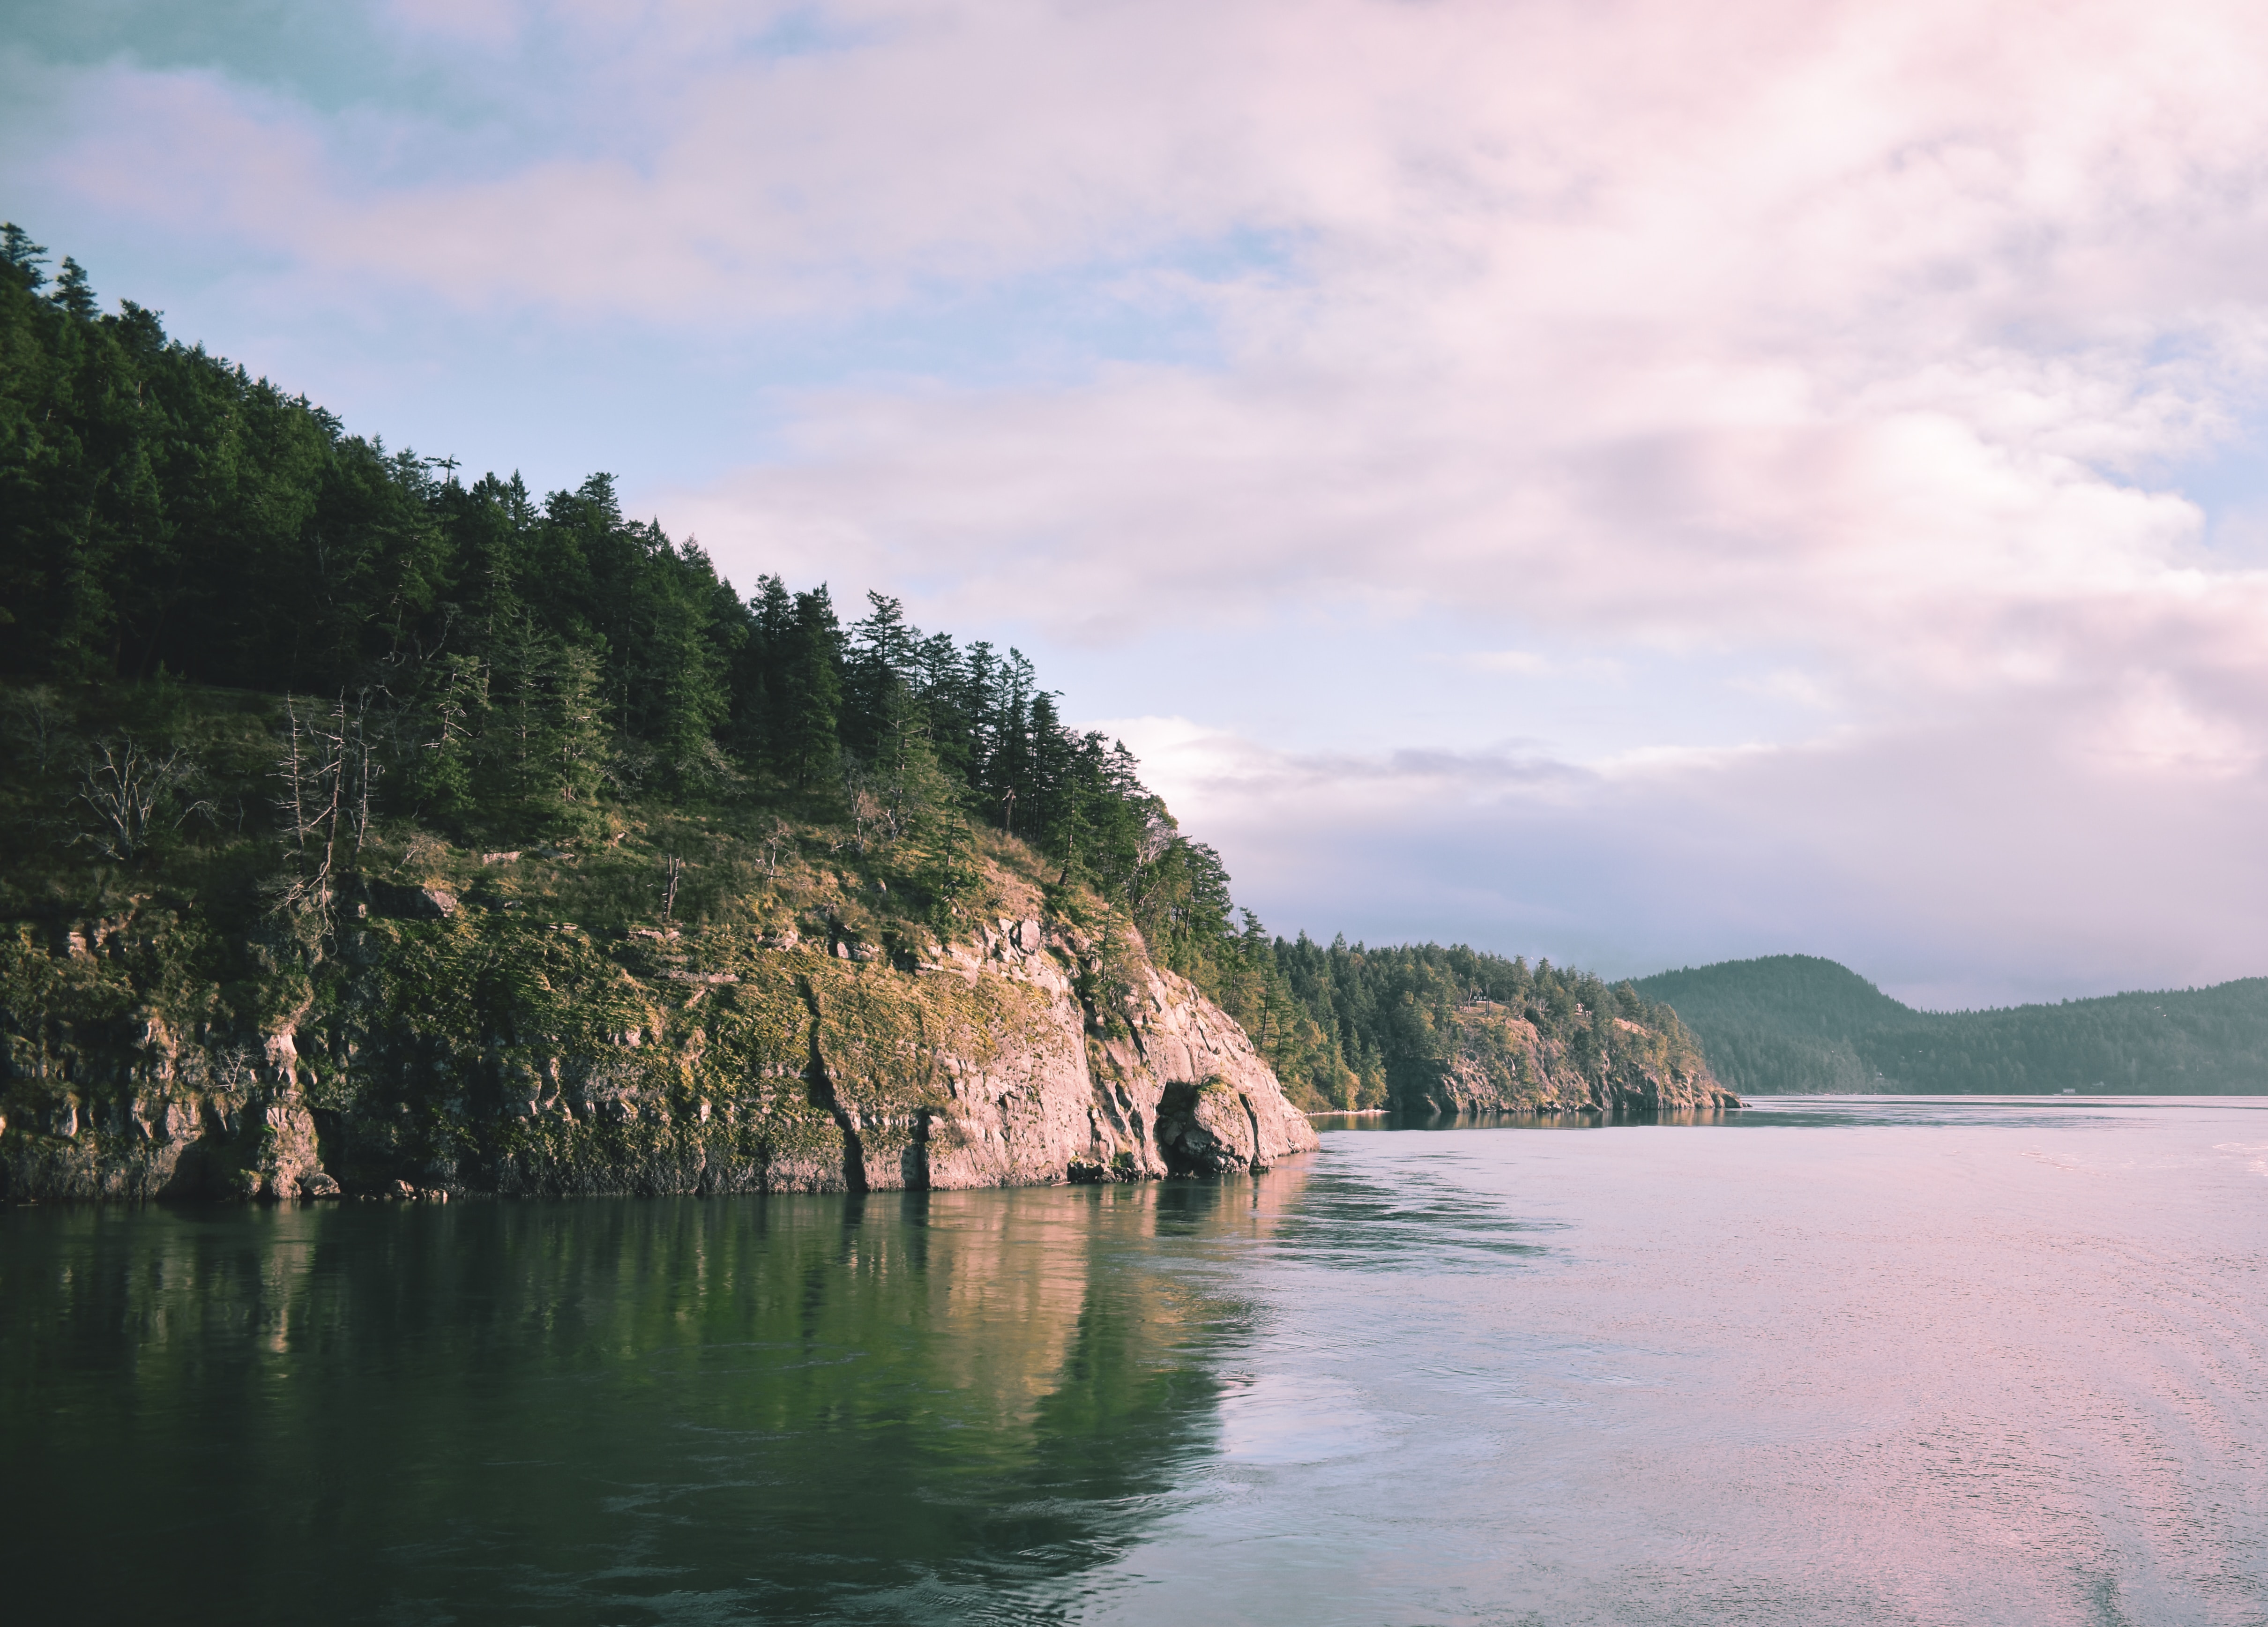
{"x":1794,"y":1023}
{"x":265,"y":679}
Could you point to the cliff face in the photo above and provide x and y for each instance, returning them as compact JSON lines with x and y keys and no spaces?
{"x":442,"y":1051}
{"x":1493,"y":1059}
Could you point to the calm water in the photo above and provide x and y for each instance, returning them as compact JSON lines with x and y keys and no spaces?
{"x":1835,"y":1362}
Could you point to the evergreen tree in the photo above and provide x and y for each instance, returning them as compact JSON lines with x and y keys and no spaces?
{"x":758,"y":691}
{"x":22,"y":261}
{"x":73,"y":294}
{"x":811,"y":741}
{"x":446,"y":716}
{"x":1008,"y":765}
{"x":883,"y":659}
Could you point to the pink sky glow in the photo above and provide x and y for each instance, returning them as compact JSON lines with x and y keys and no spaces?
{"x":1635,"y":481}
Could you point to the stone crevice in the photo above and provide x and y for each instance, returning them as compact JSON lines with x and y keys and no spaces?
{"x":824,"y":1096}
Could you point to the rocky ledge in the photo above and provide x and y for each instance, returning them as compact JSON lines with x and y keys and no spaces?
{"x":1496,"y":1060}
{"x":441,"y":1052}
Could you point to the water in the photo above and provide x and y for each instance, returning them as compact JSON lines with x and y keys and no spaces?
{"x":1832,"y":1361}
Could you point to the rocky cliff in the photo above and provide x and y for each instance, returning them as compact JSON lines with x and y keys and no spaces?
{"x":441,"y":1051}
{"x":1492,"y":1058}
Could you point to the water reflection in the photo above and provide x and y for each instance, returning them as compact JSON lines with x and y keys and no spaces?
{"x":1943,"y":1361}
{"x":1818,"y":1112}
{"x":1420,"y":1118}
{"x":890,"y":1408}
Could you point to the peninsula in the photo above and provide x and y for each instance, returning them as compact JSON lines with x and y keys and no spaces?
{"x":371,"y":831}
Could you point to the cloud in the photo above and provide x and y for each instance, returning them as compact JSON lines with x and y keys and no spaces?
{"x":1957,"y":866}
{"x":493,"y":23}
{"x":1834,"y":365}
{"x":1624,"y":166}
{"x":1522,"y":662}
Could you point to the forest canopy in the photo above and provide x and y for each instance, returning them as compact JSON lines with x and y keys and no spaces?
{"x":514,"y":658}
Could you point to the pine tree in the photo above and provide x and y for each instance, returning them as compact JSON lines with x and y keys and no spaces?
{"x":22,"y":261}
{"x":883,"y":659}
{"x":73,"y":293}
{"x":447,"y":712}
{"x":1008,"y":768}
{"x":941,"y":682}
{"x":811,"y":741}
{"x":758,"y":722}
{"x":577,"y":737}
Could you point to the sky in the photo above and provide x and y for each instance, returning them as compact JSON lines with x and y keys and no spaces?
{"x":1626,"y":480}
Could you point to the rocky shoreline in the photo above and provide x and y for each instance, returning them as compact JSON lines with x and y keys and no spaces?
{"x":445,"y":1054}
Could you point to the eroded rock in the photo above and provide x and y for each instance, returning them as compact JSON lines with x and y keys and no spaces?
{"x":776,"y":1066}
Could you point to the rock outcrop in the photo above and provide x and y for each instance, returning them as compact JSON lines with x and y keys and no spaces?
{"x":444,"y":1051}
{"x":1496,"y":1060}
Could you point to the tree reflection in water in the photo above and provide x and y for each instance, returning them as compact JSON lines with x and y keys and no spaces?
{"x":900,"y":1407}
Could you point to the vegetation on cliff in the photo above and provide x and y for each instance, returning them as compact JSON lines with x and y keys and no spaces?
{"x":1792,"y":1022}
{"x":297,"y":726}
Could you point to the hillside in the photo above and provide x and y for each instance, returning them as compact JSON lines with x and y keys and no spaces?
{"x":1429,"y":1029}
{"x":695,"y":1000}
{"x":1793,"y":1023}
{"x":360,"y":824}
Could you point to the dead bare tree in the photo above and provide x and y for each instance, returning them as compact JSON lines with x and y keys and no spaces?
{"x":866,"y":808}
{"x":133,"y":794}
{"x":294,"y":773}
{"x":675,"y":867}
{"x":366,"y":770}
{"x":325,"y":770}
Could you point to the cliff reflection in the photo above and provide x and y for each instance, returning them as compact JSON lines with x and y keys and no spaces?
{"x":904,"y":1407}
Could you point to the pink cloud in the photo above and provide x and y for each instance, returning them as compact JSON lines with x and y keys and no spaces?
{"x":1986,"y":861}
{"x":1842,"y":336}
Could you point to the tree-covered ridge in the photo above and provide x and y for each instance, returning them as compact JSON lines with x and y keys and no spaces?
{"x":1794,"y":1023}
{"x":467,"y":661}
{"x":508,"y":662}
{"x":1365,"y":1027}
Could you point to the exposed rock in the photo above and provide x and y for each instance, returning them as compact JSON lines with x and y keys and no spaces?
{"x":285,"y":1158}
{"x":1500,"y":1061}
{"x":1207,"y":1129}
{"x":410,"y":903}
{"x":501,"y":1057}
{"x":1049,"y":1096}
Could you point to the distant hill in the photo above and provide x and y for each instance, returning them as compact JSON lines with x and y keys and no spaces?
{"x":1795,"y":1022}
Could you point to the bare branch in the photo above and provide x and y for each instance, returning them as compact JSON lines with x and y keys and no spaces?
{"x":132,"y":795}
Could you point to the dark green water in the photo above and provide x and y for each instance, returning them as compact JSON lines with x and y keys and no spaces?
{"x":895,"y":1409}
{"x":1845,"y":1362}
